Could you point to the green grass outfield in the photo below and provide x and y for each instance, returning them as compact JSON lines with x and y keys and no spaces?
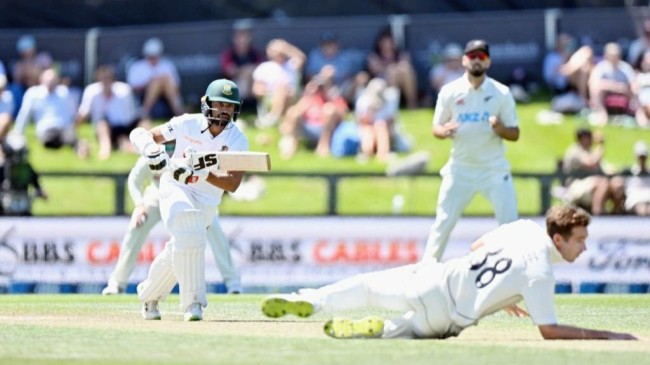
{"x":90,"y":329}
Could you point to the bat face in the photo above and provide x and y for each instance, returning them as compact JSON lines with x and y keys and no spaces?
{"x":231,"y":161}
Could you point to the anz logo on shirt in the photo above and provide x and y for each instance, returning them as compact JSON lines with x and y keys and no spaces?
{"x":473,"y":117}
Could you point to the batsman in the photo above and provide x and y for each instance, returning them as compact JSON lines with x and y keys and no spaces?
{"x":189,"y":195}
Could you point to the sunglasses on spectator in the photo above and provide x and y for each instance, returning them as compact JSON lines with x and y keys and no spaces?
{"x":480,"y":55}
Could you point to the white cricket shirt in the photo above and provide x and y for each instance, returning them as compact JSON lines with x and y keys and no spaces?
{"x":119,"y":109}
{"x":274,"y":75}
{"x":475,"y":143}
{"x":514,"y":263}
{"x":50,"y":110}
{"x":189,"y":130}
{"x":141,"y":72}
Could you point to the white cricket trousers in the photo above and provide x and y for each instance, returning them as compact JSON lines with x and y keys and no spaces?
{"x":131,"y":245}
{"x":416,"y":290}
{"x":183,"y":258}
{"x":459,"y":186}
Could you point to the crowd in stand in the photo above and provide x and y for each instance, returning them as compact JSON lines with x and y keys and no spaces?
{"x":327,"y":98}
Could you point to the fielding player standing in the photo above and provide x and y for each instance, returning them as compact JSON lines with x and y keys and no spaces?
{"x":145,"y":216}
{"x":189,"y":198}
{"x":478,"y":113}
{"x":439,"y":300}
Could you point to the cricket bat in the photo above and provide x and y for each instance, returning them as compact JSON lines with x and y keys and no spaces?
{"x":231,"y":161}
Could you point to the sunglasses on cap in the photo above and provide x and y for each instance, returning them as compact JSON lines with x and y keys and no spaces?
{"x":477,"y":54}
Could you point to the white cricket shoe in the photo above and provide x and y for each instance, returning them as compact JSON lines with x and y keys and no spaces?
{"x":150,"y":310}
{"x":112,"y":289}
{"x":193,"y":313}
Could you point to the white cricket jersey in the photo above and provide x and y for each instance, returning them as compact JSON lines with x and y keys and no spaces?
{"x":190,"y":130}
{"x":514,"y":263}
{"x":475,"y":143}
{"x":119,"y":109}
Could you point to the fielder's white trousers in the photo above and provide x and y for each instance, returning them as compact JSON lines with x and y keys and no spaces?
{"x":459,"y":186}
{"x":416,"y":290}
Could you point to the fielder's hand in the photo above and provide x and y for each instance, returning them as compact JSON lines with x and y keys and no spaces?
{"x":450,"y":129}
{"x":184,"y":173}
{"x":157,"y":157}
{"x":515,"y":310}
{"x":496,"y":123}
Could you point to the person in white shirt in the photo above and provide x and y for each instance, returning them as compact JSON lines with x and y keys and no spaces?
{"x":449,"y":69}
{"x":53,"y":108}
{"x":143,"y":187}
{"x":439,"y":300}
{"x":376,"y":114}
{"x":155,"y":77}
{"x":189,"y":197}
{"x":477,"y":113}
{"x":276,"y":82}
{"x":112,"y":109}
{"x":610,"y":86}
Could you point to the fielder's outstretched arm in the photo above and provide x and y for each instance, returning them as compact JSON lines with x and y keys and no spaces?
{"x":562,"y":332}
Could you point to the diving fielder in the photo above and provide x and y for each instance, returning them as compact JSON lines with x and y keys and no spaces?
{"x":478,"y":113}
{"x":145,"y":216}
{"x":439,"y":300}
{"x":189,"y":198}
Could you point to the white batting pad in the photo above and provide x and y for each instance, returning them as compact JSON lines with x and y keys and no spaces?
{"x":189,"y":267}
{"x":188,"y":256}
{"x":160,"y":280}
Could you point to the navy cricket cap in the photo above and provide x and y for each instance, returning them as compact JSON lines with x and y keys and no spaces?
{"x":477,"y":45}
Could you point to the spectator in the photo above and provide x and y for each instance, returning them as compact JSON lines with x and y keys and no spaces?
{"x":155,"y":78}
{"x":586,"y":184}
{"x":376,"y":114}
{"x":346,"y":68}
{"x":641,"y":89}
{"x":239,"y":60}
{"x":276,"y":82}
{"x":450,"y":69}
{"x":6,"y":108}
{"x":566,"y":73}
{"x":113,"y":111}
{"x":388,"y":61}
{"x":53,"y":110}
{"x":316,"y":115}
{"x":610,"y":85}
{"x":639,"y":45}
{"x":27,"y":70}
{"x":637,"y":186}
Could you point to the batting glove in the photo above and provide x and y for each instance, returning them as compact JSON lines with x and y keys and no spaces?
{"x":157,"y":157}
{"x":184,"y":173}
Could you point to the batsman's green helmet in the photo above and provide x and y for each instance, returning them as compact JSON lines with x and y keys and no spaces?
{"x":223,"y":90}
